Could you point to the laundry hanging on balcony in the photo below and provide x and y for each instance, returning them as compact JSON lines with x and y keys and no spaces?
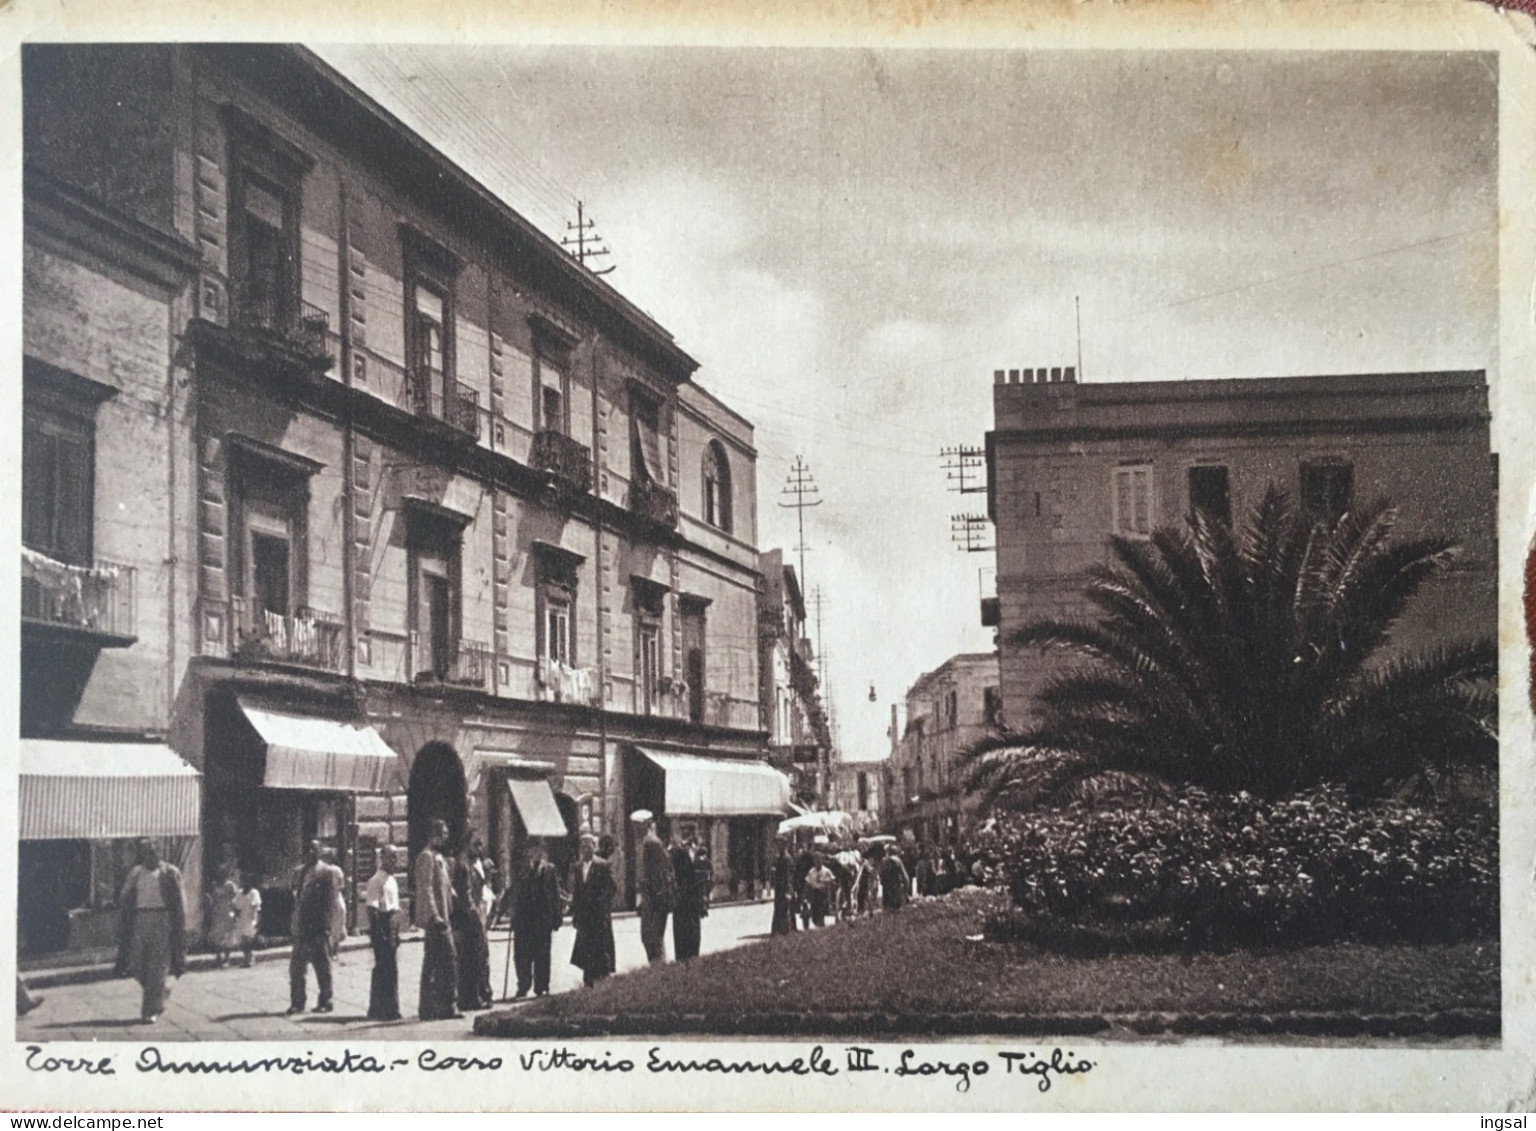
{"x":316,"y":753}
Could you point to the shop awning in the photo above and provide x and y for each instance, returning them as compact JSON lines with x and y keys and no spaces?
{"x":72,"y":790}
{"x":720,"y":787}
{"x":310,"y":752}
{"x":536,"y":806}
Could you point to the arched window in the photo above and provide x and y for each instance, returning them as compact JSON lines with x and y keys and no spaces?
{"x":717,"y":487}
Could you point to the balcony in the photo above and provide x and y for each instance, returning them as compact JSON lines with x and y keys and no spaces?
{"x":314,"y":332}
{"x":459,"y":409}
{"x":470,"y":667}
{"x":770,"y":622}
{"x":562,"y":683}
{"x":653,"y":503}
{"x":567,"y":460}
{"x":94,"y":601}
{"x":308,"y":638}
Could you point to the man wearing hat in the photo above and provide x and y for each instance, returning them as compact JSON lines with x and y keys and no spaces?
{"x":657,"y":894}
{"x":536,"y":916}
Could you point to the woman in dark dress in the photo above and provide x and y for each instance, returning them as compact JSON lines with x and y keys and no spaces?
{"x":592,"y":890}
{"x":784,"y":891}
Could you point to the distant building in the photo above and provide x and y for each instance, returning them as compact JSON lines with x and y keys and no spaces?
{"x":856,"y":790}
{"x":351,"y":501}
{"x":1070,"y":464}
{"x":799,"y":739}
{"x":946,"y":710}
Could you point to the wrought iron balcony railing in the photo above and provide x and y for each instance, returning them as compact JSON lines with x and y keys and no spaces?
{"x":96,"y":598}
{"x":653,"y":502}
{"x":308,"y":637}
{"x":314,"y":328}
{"x":470,"y":666}
{"x":460,"y":408}
{"x":564,"y":457}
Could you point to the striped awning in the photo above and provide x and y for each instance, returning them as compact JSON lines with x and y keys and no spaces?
{"x":314,"y":753}
{"x":720,"y":787}
{"x":536,"y":806}
{"x":75,"y":790}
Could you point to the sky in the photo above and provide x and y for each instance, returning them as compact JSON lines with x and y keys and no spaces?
{"x":851,"y":241}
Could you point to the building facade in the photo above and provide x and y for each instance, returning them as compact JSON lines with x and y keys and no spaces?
{"x":799,"y":737}
{"x":416,"y":517}
{"x":1071,"y":464}
{"x":856,"y":790}
{"x":946,"y":710}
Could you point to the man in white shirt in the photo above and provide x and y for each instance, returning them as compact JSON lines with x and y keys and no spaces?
{"x":382,"y":898}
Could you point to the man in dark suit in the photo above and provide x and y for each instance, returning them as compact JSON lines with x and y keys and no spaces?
{"x":692,"y":896}
{"x":535,"y":917}
{"x":657,"y":883}
{"x":316,"y":888}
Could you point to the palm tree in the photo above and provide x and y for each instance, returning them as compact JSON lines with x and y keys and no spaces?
{"x":1248,"y":660}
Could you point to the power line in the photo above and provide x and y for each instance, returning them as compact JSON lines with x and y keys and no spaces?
{"x":586,"y":241}
{"x":802,"y":485}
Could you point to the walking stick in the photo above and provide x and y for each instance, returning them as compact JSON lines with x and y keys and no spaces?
{"x":507,"y":966}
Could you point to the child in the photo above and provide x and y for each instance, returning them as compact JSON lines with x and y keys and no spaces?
{"x":221,"y":916}
{"x":247,"y":912}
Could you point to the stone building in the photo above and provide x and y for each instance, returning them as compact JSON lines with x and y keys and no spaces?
{"x":857,"y":789}
{"x":946,"y":710}
{"x":1071,"y":463}
{"x":416,"y":518}
{"x":799,"y":737}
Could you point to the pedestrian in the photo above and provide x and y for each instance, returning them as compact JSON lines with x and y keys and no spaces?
{"x":657,"y":887}
{"x":925,"y":875}
{"x":247,"y":915}
{"x":152,"y":928}
{"x":847,"y":872}
{"x":470,"y":941}
{"x":692,"y":898}
{"x":535,"y":918}
{"x":432,"y":908}
{"x":592,"y":889}
{"x":315,"y":887}
{"x":804,"y":862}
{"x":783,"y":891}
{"x":821,"y":889}
{"x":382,"y":899}
{"x":338,"y":923}
{"x":868,"y":883}
{"x":222,"y":932}
{"x":893,"y":882}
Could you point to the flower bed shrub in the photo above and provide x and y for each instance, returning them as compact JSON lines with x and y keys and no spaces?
{"x":1214,"y":871}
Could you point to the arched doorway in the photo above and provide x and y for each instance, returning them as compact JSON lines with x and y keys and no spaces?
{"x":437,"y":791}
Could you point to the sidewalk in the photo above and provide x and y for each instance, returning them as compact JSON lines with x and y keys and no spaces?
{"x":97,"y":966}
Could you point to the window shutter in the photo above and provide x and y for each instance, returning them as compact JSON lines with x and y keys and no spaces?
{"x":73,"y":509}
{"x":37,"y":463}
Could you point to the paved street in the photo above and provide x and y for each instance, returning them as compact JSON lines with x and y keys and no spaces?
{"x":235,"y":1004}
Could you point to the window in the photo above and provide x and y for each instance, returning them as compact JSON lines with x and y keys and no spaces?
{"x":649,"y":666}
{"x":692,"y":614}
{"x":863,"y":791}
{"x":645,"y":418}
{"x":1209,"y":493}
{"x":1133,"y":500}
{"x":265,"y":269}
{"x":717,"y":487}
{"x":1326,"y":489}
{"x":430,"y":272}
{"x":57,"y":483}
{"x":434,"y":539}
{"x":992,"y":705}
{"x":552,"y":396}
{"x":952,"y":707}
{"x":558,"y":574}
{"x":268,"y":495}
{"x":557,"y":627}
{"x":266,"y":177}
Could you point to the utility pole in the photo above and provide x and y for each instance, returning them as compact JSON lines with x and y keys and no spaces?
{"x":818,"y":599}
{"x":586,"y":241}
{"x":965,"y":467}
{"x":969,"y":532}
{"x":802,"y":485}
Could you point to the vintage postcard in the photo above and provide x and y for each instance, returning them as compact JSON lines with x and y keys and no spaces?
{"x":944,"y":557}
